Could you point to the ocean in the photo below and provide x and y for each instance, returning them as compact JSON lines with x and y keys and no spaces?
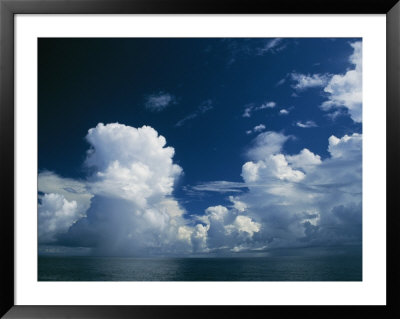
{"x":278,"y":268}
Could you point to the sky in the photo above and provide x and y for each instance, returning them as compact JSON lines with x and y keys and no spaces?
{"x":198,"y":146}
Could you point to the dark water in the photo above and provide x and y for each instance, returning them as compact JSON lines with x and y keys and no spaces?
{"x":280,"y":268}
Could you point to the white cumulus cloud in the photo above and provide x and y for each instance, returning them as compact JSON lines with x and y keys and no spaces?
{"x":305,"y":159}
{"x":256,"y":129}
{"x":237,"y":204}
{"x":292,"y":200}
{"x":248,"y":109}
{"x":70,"y":189}
{"x":345,"y":90}
{"x":55,"y":215}
{"x":301,"y":199}
{"x":305,"y":81}
{"x":265,"y":144}
{"x":227,"y":228}
{"x":267,"y":105}
{"x":244,"y":224}
{"x":131,"y":163}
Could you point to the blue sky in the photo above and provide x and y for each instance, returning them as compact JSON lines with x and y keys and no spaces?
{"x":199,"y":146}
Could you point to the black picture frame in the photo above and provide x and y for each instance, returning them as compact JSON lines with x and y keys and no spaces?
{"x":9,"y":8}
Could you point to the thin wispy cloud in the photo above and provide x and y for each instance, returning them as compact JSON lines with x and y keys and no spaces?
{"x":243,"y":48}
{"x":157,"y":102}
{"x":206,"y":106}
{"x":203,"y":108}
{"x":218,"y":186}
{"x":250,"y":108}
{"x":280,"y":82}
{"x":185,"y":119}
{"x":306,"y":124}
{"x":271,"y":46}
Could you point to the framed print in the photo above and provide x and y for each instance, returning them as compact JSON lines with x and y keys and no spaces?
{"x":173,"y":159}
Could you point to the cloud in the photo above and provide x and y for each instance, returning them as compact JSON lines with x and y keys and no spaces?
{"x":55,"y":215}
{"x":305,"y":81}
{"x":244,"y":48}
{"x":204,"y":107}
{"x":185,"y":119}
{"x":249,"y":108}
{"x":256,"y":129}
{"x":306,"y":124}
{"x":304,"y":160}
{"x":218,"y":186}
{"x":159,"y":101}
{"x":130,"y":163}
{"x":295,"y":200}
{"x":281,"y":82}
{"x":265,"y":144}
{"x":126,"y":206}
{"x":274,"y":167}
{"x":244,"y":224}
{"x":298,"y":198}
{"x":196,"y":237}
{"x":70,"y":189}
{"x":237,"y":204}
{"x":286,"y":111}
{"x":228,"y":228}
{"x":271,"y":46}
{"x":259,"y":128}
{"x":216,"y":212}
{"x":345,"y":146}
{"x":268,"y":164}
{"x":345,"y":90}
{"x":266,"y":106}
{"x":132,"y":210}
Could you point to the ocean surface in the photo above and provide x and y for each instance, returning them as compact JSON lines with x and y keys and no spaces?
{"x":277,"y":268}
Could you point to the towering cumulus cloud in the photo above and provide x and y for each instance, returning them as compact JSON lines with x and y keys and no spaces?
{"x":132,"y":210}
{"x":131,"y":164}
